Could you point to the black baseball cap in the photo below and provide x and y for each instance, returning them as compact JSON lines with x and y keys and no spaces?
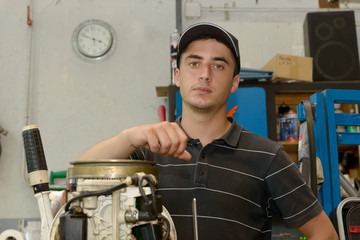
{"x":208,"y":30}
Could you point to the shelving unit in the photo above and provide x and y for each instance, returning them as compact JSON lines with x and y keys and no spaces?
{"x":293,"y":91}
{"x":292,"y":94}
{"x":291,"y":99}
{"x":327,"y":139}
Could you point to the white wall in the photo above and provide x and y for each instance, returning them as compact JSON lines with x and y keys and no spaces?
{"x":76,"y":103}
{"x":73,"y":102}
{"x":263,"y":28}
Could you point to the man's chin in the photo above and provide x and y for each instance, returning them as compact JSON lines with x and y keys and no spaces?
{"x":201,"y":107}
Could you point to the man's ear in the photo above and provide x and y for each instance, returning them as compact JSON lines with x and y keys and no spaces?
{"x":235,"y":84}
{"x":177,"y":77}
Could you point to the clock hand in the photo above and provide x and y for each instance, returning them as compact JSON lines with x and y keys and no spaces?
{"x":91,"y":38}
{"x":92,"y":33}
{"x":86,"y":36}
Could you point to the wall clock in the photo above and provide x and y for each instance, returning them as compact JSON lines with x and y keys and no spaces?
{"x":94,"y":40}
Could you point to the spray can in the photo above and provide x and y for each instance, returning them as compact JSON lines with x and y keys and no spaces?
{"x":174,"y":43}
{"x":292,"y":126}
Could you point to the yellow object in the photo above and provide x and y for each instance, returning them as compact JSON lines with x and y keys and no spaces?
{"x":288,"y":67}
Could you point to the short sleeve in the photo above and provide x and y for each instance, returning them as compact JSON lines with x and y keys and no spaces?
{"x":292,"y":197}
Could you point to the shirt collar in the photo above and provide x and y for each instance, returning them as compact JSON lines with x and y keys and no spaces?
{"x":231,"y":137}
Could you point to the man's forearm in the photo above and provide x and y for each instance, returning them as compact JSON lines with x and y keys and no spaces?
{"x":116,"y":147}
{"x":163,"y":138}
{"x":319,"y":228}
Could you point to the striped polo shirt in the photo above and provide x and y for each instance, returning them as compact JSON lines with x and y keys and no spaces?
{"x":239,"y":181}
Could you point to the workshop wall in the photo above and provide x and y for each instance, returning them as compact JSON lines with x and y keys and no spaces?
{"x":263,"y":28}
{"x":76,"y":103}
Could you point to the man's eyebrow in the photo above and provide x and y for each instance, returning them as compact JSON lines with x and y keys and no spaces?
{"x":221,"y":59}
{"x":194,"y":56}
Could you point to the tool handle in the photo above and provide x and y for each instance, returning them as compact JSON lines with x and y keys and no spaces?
{"x":35,"y":157}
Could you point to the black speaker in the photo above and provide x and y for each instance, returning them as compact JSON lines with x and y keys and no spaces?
{"x":330,"y":39}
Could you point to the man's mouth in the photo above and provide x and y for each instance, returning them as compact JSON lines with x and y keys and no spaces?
{"x":202,"y":90}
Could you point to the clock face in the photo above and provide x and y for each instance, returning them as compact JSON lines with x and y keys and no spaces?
{"x":93,"y":40}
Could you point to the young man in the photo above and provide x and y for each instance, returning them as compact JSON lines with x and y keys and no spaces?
{"x":238,"y":178}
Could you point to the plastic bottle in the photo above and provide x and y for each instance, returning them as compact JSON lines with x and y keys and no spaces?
{"x":174,"y":44}
{"x":292,"y":126}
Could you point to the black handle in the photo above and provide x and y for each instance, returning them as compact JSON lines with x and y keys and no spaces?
{"x":35,"y":157}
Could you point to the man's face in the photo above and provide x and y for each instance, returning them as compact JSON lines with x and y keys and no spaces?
{"x":206,"y":76}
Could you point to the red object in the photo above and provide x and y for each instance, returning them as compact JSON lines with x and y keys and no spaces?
{"x":162,"y":113}
{"x":29,"y":21}
{"x":354,"y":229}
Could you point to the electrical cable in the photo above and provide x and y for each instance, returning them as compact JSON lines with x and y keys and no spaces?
{"x":146,"y":198}
{"x":96,"y":193}
{"x":152,"y":202}
{"x":166,"y":237}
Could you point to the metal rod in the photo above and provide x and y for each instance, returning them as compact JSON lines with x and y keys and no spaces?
{"x":178,"y":10}
{"x":195,"y":224}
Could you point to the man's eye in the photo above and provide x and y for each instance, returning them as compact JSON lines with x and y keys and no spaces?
{"x":218,"y":67}
{"x":193,"y":64}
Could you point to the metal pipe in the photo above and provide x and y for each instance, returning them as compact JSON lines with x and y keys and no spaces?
{"x":28,"y":94}
{"x":348,"y":188}
{"x":195,"y":224}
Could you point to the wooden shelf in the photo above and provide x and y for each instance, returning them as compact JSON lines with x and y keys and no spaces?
{"x":292,"y":149}
{"x":290,"y":146}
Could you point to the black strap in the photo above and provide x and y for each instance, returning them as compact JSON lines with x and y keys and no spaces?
{"x":311,"y":135}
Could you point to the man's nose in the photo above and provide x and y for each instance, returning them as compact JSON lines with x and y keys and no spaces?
{"x":205,"y":72}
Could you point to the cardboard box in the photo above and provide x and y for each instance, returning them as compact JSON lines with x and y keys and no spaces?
{"x":287,"y":67}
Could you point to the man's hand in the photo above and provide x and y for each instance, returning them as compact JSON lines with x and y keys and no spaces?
{"x":164,"y":138}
